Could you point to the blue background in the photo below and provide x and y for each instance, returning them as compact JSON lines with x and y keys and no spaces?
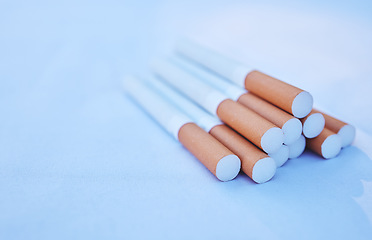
{"x":80,"y":160}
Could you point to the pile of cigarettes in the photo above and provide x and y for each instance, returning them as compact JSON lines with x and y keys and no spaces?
{"x":232,"y":117}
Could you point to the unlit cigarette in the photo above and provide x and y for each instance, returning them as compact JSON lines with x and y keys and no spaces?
{"x":291,"y":126}
{"x":256,"y":164}
{"x":258,"y":130}
{"x":327,"y":144}
{"x":313,"y":124}
{"x":289,"y":98}
{"x":202,"y":118}
{"x":297,"y":148}
{"x":344,"y":130}
{"x":281,"y":156}
{"x":214,"y":155}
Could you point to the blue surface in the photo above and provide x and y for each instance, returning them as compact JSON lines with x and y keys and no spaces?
{"x":79,"y":160}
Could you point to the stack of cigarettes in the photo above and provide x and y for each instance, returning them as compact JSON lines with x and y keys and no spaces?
{"x":232,"y":117}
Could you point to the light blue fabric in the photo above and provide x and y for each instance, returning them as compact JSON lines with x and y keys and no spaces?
{"x":80,"y":160}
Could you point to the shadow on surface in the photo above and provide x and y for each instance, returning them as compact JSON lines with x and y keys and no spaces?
{"x":313,"y":192}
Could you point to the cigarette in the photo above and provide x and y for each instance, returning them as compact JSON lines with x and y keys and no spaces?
{"x":193,"y":111}
{"x":255,"y":163}
{"x":344,"y":130}
{"x":287,"y":97}
{"x":297,"y":148}
{"x":291,"y":126}
{"x":213,"y":154}
{"x":255,"y":128}
{"x":313,"y":124}
{"x":210,"y":152}
{"x":281,"y":156}
{"x":327,"y":144}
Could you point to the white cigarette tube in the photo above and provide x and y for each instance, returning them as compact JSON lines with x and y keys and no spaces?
{"x":281,"y":156}
{"x":344,"y":130}
{"x":297,"y":148}
{"x":313,"y":124}
{"x":229,"y":89}
{"x":193,"y":111}
{"x":255,"y":163}
{"x":258,"y":130}
{"x":289,"y":98}
{"x":327,"y":144}
{"x":214,"y":155}
{"x":291,"y":126}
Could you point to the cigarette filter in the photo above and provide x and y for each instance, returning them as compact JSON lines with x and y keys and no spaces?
{"x":289,"y":98}
{"x":280,"y":157}
{"x":344,"y":130}
{"x":297,"y":148}
{"x":291,"y":126}
{"x":327,"y":144}
{"x":256,"y":164}
{"x":313,"y":124}
{"x":258,"y":130}
{"x":214,"y":155}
